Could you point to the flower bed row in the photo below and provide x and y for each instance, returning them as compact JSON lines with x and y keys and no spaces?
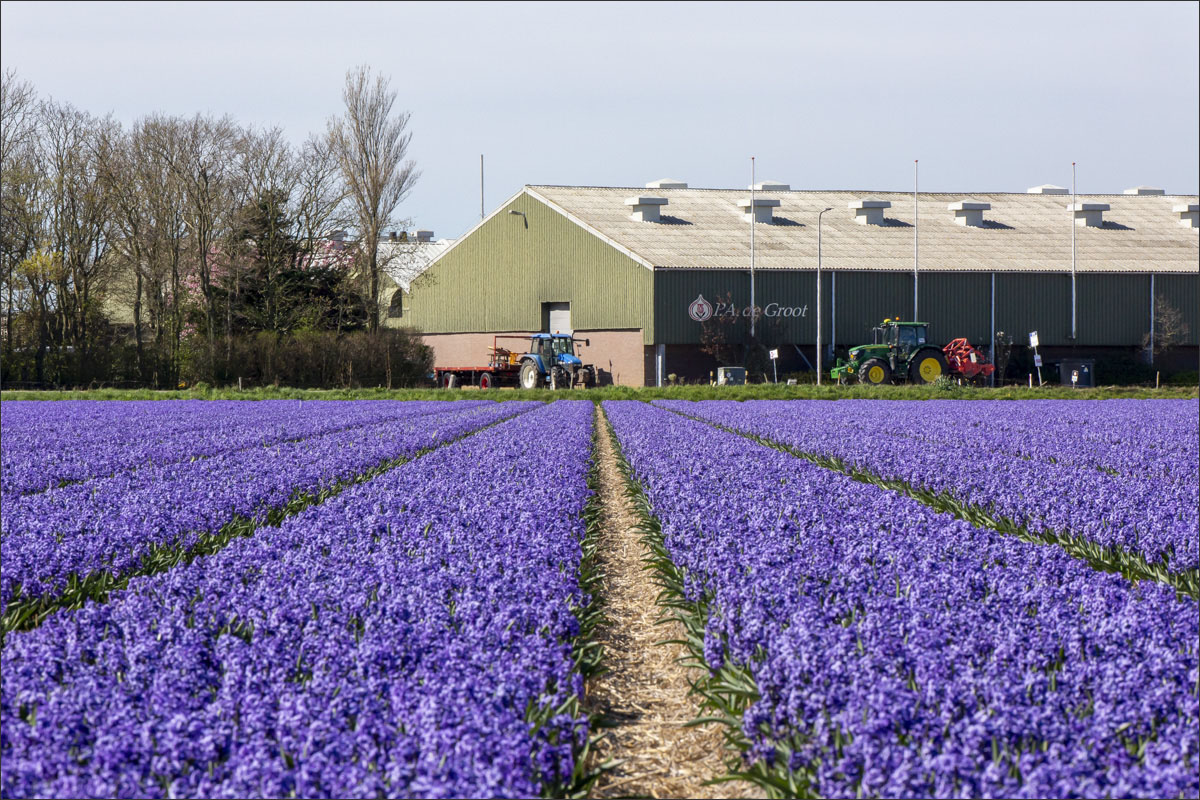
{"x":75,"y":539}
{"x":413,"y":636}
{"x":881,"y":648}
{"x":1130,"y":505}
{"x":49,"y":444}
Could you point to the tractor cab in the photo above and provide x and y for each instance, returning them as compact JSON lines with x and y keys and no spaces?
{"x":554,"y":348}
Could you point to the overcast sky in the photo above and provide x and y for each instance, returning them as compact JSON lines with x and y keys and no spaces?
{"x":989,"y":96}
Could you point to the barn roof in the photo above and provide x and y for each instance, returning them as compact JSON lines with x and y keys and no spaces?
{"x":1025,"y":232}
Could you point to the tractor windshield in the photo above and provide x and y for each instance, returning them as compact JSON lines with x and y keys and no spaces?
{"x":563,"y":347}
{"x":908,"y":336}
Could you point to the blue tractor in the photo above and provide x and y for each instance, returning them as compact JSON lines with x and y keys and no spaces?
{"x":551,"y":361}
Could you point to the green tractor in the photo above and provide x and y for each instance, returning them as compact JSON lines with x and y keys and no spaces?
{"x":901,"y":351}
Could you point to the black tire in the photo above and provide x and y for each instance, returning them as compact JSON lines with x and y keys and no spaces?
{"x":449,"y":381}
{"x":875,"y":372}
{"x":926,"y":366}
{"x":530,"y":377}
{"x":486,"y":381}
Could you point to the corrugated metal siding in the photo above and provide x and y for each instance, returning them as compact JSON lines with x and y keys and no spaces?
{"x":497,"y":278}
{"x":1113,"y":309}
{"x":1183,"y":292}
{"x":1028,"y":302}
{"x":676,"y":290}
{"x":864,"y":299}
{"x":956,"y":304}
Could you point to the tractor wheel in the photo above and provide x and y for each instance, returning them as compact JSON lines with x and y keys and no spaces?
{"x":449,"y":381}
{"x":530,"y":377}
{"x":486,"y":381}
{"x":875,"y":372}
{"x":927,"y":367}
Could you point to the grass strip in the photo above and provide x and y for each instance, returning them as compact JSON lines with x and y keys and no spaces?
{"x":24,"y":614}
{"x":729,"y":688}
{"x":757,"y":391}
{"x":1132,"y":566}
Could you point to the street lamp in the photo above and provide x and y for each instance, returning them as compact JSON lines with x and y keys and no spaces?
{"x":821,"y":214}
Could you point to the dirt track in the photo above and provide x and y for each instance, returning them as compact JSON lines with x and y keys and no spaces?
{"x":645,"y":692}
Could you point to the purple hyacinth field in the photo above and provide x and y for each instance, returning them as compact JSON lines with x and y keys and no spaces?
{"x":402,"y":599}
{"x":900,"y":652}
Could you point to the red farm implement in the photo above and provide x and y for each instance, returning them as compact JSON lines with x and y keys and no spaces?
{"x":967,"y":361}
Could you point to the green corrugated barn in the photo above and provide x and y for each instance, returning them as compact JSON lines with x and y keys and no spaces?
{"x":648,"y":274}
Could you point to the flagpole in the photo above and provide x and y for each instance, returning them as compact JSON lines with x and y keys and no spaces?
{"x":753,"y":307}
{"x":916,"y":228}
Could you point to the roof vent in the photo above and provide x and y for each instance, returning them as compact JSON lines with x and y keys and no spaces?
{"x":770,"y":186}
{"x":666,"y":183}
{"x":869,"y":212}
{"x":1145,"y":190}
{"x":646,"y":209}
{"x":1047,"y":188}
{"x":969,"y":214}
{"x":424,"y":236}
{"x":763,"y":209}
{"x":1089,"y":215}
{"x":1189,"y":214}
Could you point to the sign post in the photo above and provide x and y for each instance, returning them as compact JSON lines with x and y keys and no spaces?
{"x":1037,"y":359}
{"x":774,"y":354}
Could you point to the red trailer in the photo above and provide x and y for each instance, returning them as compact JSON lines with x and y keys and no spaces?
{"x":502,"y":369}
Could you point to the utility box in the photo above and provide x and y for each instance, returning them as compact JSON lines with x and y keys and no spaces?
{"x":1077,"y":371}
{"x":731,"y":376}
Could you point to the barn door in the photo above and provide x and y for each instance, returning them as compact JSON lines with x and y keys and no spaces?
{"x":556,"y":317}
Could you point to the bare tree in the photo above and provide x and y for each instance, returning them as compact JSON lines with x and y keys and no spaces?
{"x":20,"y":184}
{"x":319,"y":194}
{"x":204,"y":170}
{"x":75,"y":144}
{"x":1170,"y":329}
{"x":371,"y":144}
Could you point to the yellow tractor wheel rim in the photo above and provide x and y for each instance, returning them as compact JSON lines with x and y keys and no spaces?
{"x":931,"y":369}
{"x":875,"y":374}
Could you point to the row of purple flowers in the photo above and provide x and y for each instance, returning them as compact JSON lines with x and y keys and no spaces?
{"x":1121,"y":473}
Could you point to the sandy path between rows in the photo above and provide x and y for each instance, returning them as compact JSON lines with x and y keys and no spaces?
{"x":645,"y":692}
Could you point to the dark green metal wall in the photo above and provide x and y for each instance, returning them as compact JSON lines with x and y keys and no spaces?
{"x":1183,"y":292}
{"x":498,"y":278}
{"x":1111,"y":310}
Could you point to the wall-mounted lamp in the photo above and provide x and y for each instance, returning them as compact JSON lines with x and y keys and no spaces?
{"x":522,"y":214}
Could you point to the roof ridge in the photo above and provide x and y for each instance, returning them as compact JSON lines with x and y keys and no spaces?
{"x":856,"y":191}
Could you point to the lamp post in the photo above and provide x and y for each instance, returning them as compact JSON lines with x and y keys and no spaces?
{"x":821,"y":214}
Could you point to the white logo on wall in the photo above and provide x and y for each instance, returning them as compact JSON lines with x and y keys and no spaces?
{"x":700,"y":309}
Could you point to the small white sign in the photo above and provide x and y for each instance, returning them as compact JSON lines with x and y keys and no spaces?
{"x":1033,"y":339}
{"x":1074,"y":376}
{"x":774,"y":354}
{"x":1037,"y":361}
